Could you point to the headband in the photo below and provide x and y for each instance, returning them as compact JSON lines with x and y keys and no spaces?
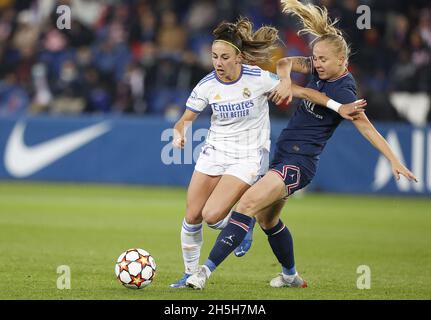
{"x":229,"y":43}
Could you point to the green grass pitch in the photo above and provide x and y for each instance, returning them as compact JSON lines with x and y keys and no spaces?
{"x":86,"y":227}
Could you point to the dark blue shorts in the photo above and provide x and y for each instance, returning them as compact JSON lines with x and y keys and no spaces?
{"x":296,"y":171}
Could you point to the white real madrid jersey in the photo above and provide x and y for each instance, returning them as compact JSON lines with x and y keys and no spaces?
{"x":240,"y":113}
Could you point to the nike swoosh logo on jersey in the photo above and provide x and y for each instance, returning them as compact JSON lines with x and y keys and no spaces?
{"x":22,"y":161}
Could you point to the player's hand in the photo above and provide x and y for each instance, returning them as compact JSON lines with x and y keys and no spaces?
{"x":282,"y":92}
{"x":179,"y":140}
{"x":351,"y":110}
{"x":398,"y":168}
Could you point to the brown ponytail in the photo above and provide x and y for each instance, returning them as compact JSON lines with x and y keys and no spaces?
{"x":255,"y":47}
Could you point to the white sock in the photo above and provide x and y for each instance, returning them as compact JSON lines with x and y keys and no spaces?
{"x":222,"y":223}
{"x":191,"y":243}
{"x":289,"y":278}
{"x":207,"y":271}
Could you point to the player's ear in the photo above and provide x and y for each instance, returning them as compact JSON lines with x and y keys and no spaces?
{"x":341,"y":61}
{"x":239,"y":58}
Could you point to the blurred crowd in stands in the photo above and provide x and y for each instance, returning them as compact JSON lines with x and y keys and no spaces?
{"x":144,"y":57}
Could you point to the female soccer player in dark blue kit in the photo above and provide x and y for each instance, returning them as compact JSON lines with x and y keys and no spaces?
{"x":298,"y":148}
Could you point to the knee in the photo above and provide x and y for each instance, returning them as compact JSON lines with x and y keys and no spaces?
{"x":193,"y":216}
{"x":211,"y":216}
{"x":247,"y":205}
{"x":266,"y":222}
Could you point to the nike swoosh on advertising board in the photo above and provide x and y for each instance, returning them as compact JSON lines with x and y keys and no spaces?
{"x":22,"y":161}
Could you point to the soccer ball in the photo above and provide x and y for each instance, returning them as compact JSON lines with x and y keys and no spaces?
{"x":135,"y":268}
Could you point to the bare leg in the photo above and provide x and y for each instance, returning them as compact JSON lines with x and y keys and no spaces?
{"x":200,"y":188}
{"x":267,"y":191}
{"x":268,"y":217}
{"x":225,"y":195}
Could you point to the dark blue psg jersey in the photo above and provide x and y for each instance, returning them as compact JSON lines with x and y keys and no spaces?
{"x":311,"y":126}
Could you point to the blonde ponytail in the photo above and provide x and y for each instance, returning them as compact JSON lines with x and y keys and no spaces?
{"x":315,"y":21}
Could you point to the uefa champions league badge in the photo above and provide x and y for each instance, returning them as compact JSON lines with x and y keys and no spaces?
{"x":274,"y":76}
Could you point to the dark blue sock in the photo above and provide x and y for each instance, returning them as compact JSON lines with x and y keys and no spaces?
{"x":229,"y":238}
{"x":281,"y":242}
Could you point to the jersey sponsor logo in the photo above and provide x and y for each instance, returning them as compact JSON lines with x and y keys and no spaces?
{"x":232,"y":110}
{"x":309,"y":106}
{"x":22,"y":161}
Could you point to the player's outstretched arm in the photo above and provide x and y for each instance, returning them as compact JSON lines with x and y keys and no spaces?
{"x":286,"y":90}
{"x":181,"y":126}
{"x":367,"y":129}
{"x":347,"y":111}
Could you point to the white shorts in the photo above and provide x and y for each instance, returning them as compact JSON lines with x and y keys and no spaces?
{"x":248,"y":169}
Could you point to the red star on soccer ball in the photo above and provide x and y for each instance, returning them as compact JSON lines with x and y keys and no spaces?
{"x":123,"y":265}
{"x":137,"y":280}
{"x":143,"y":260}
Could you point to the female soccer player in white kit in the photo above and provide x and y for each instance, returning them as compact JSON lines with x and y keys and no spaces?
{"x":237,"y":146}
